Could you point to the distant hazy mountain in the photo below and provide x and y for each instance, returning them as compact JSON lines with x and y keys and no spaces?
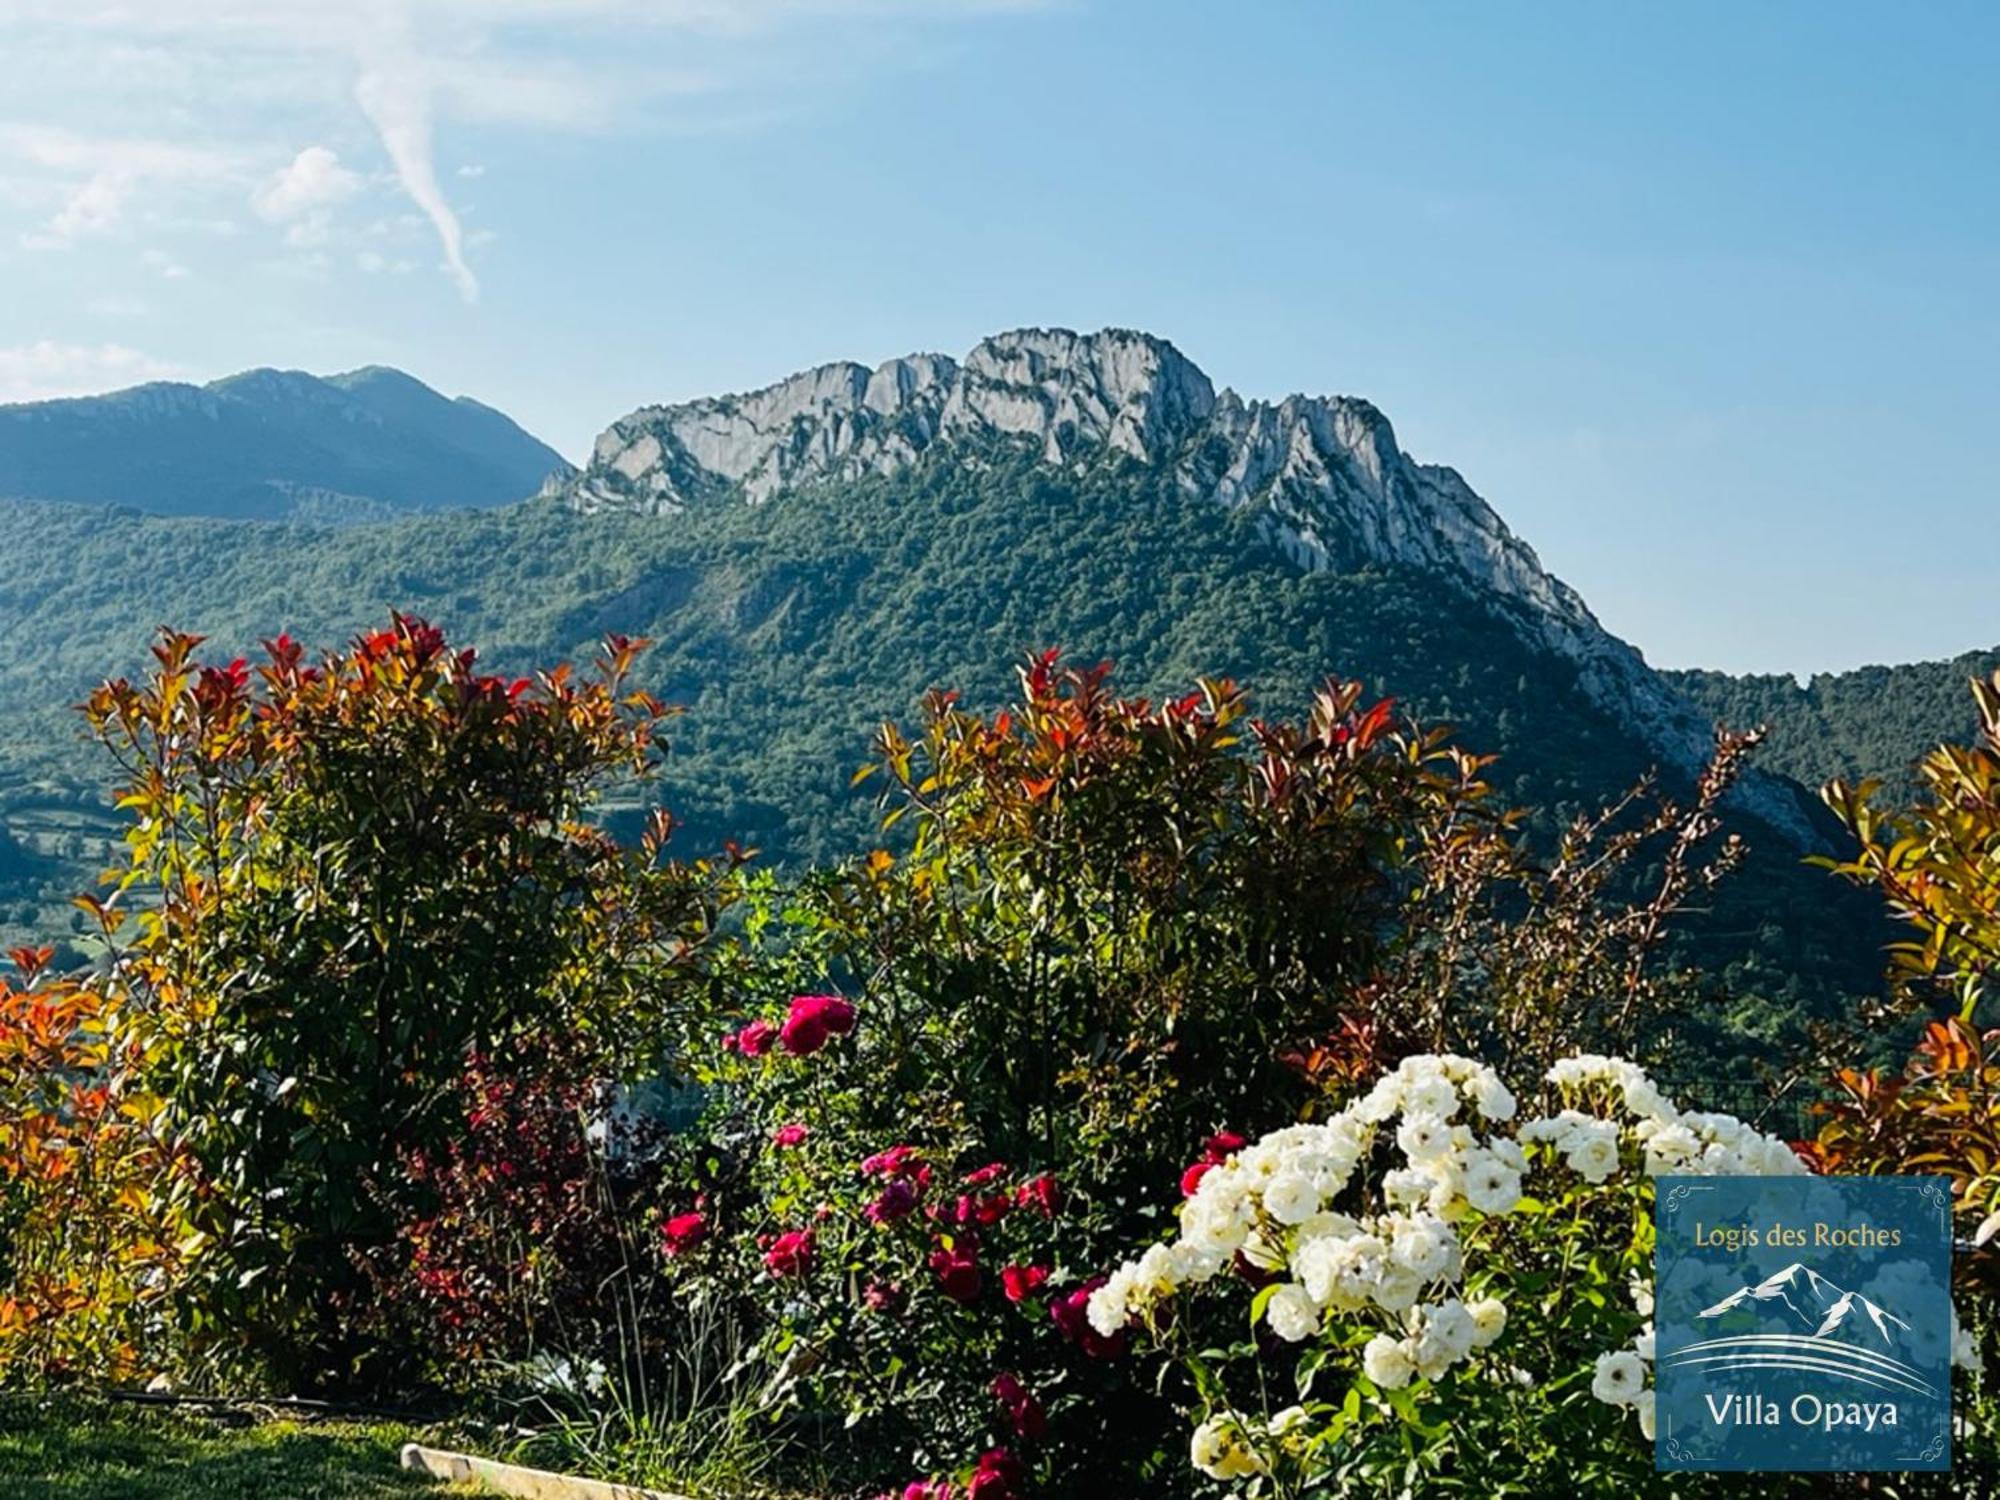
{"x":273,"y":445}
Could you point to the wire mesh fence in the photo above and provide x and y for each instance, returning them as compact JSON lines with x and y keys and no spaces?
{"x":1775,"y":1109}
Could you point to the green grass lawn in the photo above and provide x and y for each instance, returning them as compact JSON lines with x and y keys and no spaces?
{"x":83,"y":1450}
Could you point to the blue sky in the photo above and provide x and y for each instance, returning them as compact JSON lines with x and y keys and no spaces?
{"x":1701,"y":297}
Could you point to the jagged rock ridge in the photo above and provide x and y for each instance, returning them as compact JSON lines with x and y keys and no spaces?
{"x":1324,"y":475}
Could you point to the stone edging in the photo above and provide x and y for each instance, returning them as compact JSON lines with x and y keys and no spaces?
{"x":512,"y":1479}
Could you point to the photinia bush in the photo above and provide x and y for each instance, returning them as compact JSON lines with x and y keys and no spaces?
{"x":347,"y":878}
{"x":92,"y":1235}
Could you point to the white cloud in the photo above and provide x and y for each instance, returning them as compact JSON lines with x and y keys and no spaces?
{"x":46,"y":369}
{"x":410,"y":67}
{"x":311,"y":186}
{"x":394,"y":93}
{"x":96,"y":176}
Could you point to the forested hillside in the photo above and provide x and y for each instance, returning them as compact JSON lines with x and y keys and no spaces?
{"x":790,"y":629}
{"x":1872,"y":721}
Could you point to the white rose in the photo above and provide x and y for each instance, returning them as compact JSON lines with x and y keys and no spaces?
{"x":1423,"y":1135}
{"x":1406,"y":1187}
{"x":1619,"y":1378}
{"x":1197,"y":1261}
{"x":1292,"y":1313}
{"x":1109,"y":1307}
{"x":1218,"y":1450}
{"x":1593,"y":1155}
{"x":1492,"y":1098}
{"x":1669,"y":1148}
{"x":1422,"y":1247}
{"x":1489,"y":1320}
{"x":1491,"y":1186}
{"x":1643,"y":1404}
{"x":1386,"y":1362}
{"x":1291,"y":1198}
{"x":1964,"y":1347}
{"x":1431,"y":1096}
{"x":1452,"y":1324}
{"x":1156,"y":1272}
{"x":1642,"y":1344}
{"x":1396,"y":1292}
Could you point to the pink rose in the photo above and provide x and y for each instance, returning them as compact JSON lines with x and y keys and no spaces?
{"x":790,"y":1254}
{"x":683,"y":1232}
{"x":755,"y":1039}
{"x":814,"y":1020}
{"x":787,"y":1136}
{"x":882,"y":1297}
{"x":999,"y":1476}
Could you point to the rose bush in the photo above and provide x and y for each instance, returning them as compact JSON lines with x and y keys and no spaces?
{"x":1464,"y":1304}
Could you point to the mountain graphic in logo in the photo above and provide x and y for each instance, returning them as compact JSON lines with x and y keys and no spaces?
{"x":1816,"y":1302}
{"x":1819,"y":1309}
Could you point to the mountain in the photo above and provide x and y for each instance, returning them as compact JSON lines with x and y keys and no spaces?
{"x":813,"y":558}
{"x":1872,"y":721}
{"x":273,"y":444}
{"x":1816,"y":1303}
{"x":1321,"y":479}
{"x":1802,"y":1291}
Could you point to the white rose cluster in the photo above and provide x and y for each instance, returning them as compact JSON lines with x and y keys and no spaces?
{"x":1688,"y":1143}
{"x":1397,"y":1261}
{"x":1623,"y":1377}
{"x":1626,"y":1107}
{"x":1271,"y":1203}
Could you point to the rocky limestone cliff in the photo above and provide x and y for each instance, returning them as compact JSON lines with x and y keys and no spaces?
{"x":1324,"y":476}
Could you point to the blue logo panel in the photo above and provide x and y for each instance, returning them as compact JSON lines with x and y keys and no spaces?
{"x":1802,"y":1323}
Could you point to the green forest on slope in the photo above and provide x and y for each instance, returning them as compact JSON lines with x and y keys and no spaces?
{"x":789,"y":630}
{"x":1872,"y":721}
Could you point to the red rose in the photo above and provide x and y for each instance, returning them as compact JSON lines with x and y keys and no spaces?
{"x":895,"y":1162}
{"x":1024,"y":1412}
{"x":1191,"y":1178}
{"x":683,"y":1232}
{"x":897,"y":1201}
{"x":1222,"y":1145}
{"x":1071,"y":1316}
{"x":1022,"y":1282}
{"x":755,"y":1039}
{"x":814,"y":1020}
{"x":957,"y":1272}
{"x":987,"y":1210}
{"x":790,"y":1254}
{"x":993,"y":1172}
{"x":1041,"y":1193}
{"x":789,"y":1135}
{"x":998,"y":1477}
